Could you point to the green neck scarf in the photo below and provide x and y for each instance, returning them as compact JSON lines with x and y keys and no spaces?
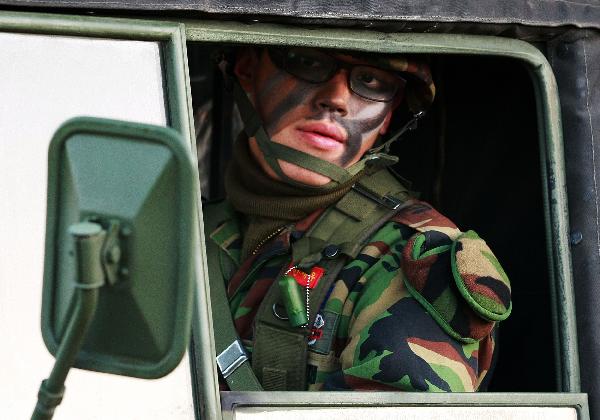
{"x":267,"y":204}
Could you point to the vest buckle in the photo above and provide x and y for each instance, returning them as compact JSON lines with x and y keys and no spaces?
{"x":388,"y":201}
{"x":231,"y":358}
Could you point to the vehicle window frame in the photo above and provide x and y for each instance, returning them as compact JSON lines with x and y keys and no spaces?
{"x":174,"y":35}
{"x":239,"y":403}
{"x":550,"y":144}
{"x":171,"y":38}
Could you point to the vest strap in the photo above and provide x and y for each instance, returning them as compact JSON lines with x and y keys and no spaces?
{"x":278,"y":347}
{"x":232,"y":360}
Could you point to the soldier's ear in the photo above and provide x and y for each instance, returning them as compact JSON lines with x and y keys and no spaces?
{"x":246,"y":64}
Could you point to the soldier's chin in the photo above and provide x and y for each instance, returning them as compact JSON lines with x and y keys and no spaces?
{"x":302,"y":175}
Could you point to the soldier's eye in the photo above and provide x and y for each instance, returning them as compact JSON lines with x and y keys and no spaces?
{"x":371,"y":79}
{"x":375,"y":83}
{"x":309,"y":63}
{"x":368,"y":80}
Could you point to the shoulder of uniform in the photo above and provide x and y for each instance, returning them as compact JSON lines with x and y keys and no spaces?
{"x":439,"y":261}
{"x":422,"y":217}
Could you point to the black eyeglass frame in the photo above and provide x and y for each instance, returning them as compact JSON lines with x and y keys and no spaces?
{"x":279,"y":57}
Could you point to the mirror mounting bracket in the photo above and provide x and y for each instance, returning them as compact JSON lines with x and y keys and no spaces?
{"x":112,"y":255}
{"x":89,"y":241}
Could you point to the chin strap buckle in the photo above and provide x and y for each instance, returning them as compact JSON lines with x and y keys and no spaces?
{"x":376,"y":161}
{"x":387,"y":200}
{"x":409,"y":126}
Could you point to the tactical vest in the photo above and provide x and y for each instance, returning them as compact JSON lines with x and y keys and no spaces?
{"x":280,"y":351}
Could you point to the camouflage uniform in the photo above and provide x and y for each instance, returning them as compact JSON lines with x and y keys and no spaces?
{"x":414,"y":311}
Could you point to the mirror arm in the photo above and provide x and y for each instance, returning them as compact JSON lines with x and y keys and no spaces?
{"x":89,"y":241}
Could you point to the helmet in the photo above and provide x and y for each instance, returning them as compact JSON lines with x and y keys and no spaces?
{"x":420,"y":89}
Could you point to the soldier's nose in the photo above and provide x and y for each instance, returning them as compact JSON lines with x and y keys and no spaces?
{"x":334,"y":94}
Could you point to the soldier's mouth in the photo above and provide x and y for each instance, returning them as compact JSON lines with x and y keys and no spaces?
{"x":322,"y":135}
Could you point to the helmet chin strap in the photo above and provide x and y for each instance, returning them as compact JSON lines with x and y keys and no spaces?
{"x":373,"y":160}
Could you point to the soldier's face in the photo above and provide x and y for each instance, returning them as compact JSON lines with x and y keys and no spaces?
{"x":327,"y":120}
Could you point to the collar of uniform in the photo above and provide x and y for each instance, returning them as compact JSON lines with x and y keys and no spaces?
{"x":282,"y":241}
{"x":229,"y":238}
{"x":277,"y":245}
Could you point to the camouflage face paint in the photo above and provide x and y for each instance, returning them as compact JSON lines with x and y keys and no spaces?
{"x":296,"y":97}
{"x":357,"y":128}
{"x":270,"y":86}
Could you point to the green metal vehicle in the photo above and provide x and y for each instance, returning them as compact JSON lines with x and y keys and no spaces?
{"x":101,"y":105}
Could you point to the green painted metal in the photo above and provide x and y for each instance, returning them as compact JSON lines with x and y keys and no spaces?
{"x":557,"y":229}
{"x":89,"y":238}
{"x":549,"y":127}
{"x":87,"y":26}
{"x":142,"y":176}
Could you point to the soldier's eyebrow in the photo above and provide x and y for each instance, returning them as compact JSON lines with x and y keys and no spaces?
{"x":349,"y":57}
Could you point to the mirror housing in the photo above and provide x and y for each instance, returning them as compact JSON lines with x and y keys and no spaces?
{"x":137,"y":182}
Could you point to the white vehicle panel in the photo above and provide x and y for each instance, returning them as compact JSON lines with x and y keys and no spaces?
{"x":45,"y":80}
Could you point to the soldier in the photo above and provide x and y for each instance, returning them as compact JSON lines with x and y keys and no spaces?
{"x":336,"y":278}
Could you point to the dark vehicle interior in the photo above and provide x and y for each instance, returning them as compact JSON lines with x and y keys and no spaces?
{"x":476,"y":158}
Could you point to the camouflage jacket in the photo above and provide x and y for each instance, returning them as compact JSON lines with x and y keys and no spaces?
{"x":414,"y":311}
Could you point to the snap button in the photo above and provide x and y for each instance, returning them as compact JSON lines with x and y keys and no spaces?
{"x":276,"y":309}
{"x":295,"y":235}
{"x":331,"y":251}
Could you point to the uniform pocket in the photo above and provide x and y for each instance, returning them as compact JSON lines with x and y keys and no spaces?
{"x":446,"y":277}
{"x":479,"y":277}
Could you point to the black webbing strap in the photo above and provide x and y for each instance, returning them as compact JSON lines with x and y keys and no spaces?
{"x":231,"y":357}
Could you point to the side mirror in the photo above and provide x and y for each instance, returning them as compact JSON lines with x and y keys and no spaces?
{"x":118,"y":287}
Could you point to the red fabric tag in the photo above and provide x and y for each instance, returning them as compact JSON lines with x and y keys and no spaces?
{"x":307,"y":280}
{"x":315,"y":334}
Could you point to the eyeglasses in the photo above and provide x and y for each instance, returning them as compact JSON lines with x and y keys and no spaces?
{"x":316,"y":66}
